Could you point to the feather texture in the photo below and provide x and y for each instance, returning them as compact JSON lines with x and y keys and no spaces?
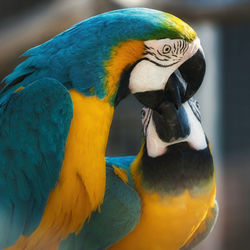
{"x":119,"y":213}
{"x":34,"y":126}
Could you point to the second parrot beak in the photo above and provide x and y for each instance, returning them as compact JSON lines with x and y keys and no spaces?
{"x":182,"y":84}
{"x":171,"y":124}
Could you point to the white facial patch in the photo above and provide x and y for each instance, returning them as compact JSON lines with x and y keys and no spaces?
{"x":146,"y":76}
{"x":196,"y":138}
{"x":161,"y":59}
{"x":156,"y":147}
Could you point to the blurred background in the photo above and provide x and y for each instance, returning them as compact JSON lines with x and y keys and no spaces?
{"x":224,"y":29}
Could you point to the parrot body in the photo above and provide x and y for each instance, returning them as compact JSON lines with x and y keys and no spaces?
{"x":169,"y":220}
{"x":91,"y":67}
{"x":177,"y":199}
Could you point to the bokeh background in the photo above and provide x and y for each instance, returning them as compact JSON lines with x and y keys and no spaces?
{"x":224,"y":29}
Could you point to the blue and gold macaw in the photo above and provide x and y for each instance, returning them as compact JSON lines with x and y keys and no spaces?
{"x":162,"y":199}
{"x":56,"y":108}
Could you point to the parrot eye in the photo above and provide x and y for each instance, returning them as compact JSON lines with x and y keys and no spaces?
{"x":166,"y":49}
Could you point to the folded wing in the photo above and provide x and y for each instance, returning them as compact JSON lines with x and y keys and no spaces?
{"x":34,"y":124}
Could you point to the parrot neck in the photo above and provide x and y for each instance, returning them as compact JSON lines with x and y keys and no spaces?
{"x":180,"y":168}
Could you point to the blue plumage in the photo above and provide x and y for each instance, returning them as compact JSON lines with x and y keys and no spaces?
{"x":30,"y":164}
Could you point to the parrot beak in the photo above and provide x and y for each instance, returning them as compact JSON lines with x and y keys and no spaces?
{"x":183,"y":84}
{"x":170,"y":119}
{"x":192,"y":72}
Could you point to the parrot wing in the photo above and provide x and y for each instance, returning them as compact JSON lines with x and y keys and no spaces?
{"x":204,"y":229}
{"x":120,"y":212}
{"x":34,"y":124}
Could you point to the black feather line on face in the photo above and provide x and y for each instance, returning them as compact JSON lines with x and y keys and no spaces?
{"x":160,"y":65}
{"x":146,"y":122}
{"x":179,"y":169}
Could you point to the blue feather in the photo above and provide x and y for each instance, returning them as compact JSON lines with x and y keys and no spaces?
{"x":30,"y":164}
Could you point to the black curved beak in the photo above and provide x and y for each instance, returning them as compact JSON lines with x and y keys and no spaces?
{"x":171,"y":123}
{"x":193,"y":72}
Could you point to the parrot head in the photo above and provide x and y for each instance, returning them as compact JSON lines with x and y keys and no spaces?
{"x":149,"y":78}
{"x":172,"y":48}
{"x":176,"y":155}
{"x":113,"y":54}
{"x":171,"y":125}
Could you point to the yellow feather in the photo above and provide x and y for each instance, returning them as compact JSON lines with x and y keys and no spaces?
{"x":122,"y":56}
{"x":19,"y":89}
{"x":180,"y":26}
{"x":121,"y":173}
